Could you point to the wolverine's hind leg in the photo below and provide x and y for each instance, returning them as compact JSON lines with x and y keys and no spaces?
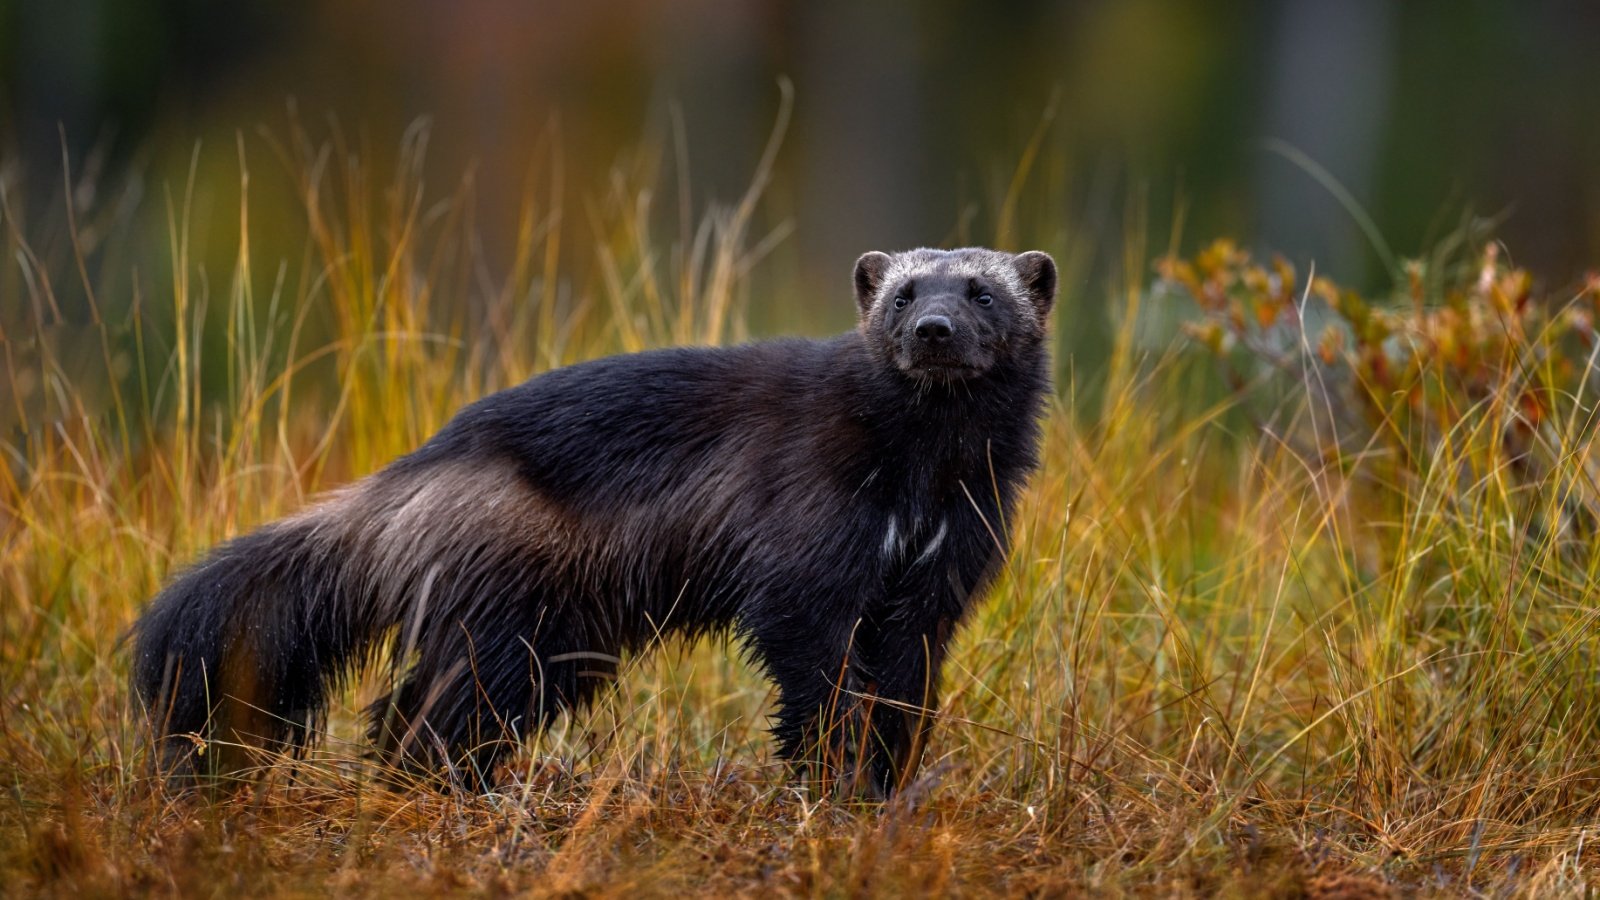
{"x":482,"y":680}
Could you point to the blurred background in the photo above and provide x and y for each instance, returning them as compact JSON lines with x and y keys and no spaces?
{"x":910,"y":120}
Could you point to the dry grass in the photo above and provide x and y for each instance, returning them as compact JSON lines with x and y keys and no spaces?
{"x":1213,"y":665}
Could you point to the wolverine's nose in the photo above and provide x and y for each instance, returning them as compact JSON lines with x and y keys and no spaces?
{"x":933,"y":329}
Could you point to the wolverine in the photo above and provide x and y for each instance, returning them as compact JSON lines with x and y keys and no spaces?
{"x":835,"y":505}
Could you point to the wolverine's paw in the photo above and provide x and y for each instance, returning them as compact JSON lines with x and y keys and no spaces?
{"x":846,"y":763}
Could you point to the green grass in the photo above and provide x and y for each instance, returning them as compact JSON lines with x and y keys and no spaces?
{"x":1214,"y":663}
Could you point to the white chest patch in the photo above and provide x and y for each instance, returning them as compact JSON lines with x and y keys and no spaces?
{"x":895,"y":540}
{"x":933,"y":545}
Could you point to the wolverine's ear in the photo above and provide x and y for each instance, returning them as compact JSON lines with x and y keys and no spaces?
{"x":1038,"y":273}
{"x":869,"y":277}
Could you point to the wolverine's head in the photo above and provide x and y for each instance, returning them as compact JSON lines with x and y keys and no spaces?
{"x":953,"y":314}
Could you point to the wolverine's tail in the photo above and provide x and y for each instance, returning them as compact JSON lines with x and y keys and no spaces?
{"x":463,"y":559}
{"x":244,"y":648}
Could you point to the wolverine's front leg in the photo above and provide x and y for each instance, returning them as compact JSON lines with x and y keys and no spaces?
{"x":900,"y":661}
{"x":855,"y":703}
{"x":808,"y":645}
{"x":902,"y":641}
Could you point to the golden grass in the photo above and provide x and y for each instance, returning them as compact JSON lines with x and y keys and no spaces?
{"x":1211,"y":666}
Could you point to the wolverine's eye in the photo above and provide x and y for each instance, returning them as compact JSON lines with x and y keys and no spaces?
{"x":900,"y":302}
{"x":983,"y":299}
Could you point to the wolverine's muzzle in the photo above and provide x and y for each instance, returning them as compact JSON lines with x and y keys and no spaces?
{"x":937,"y":345}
